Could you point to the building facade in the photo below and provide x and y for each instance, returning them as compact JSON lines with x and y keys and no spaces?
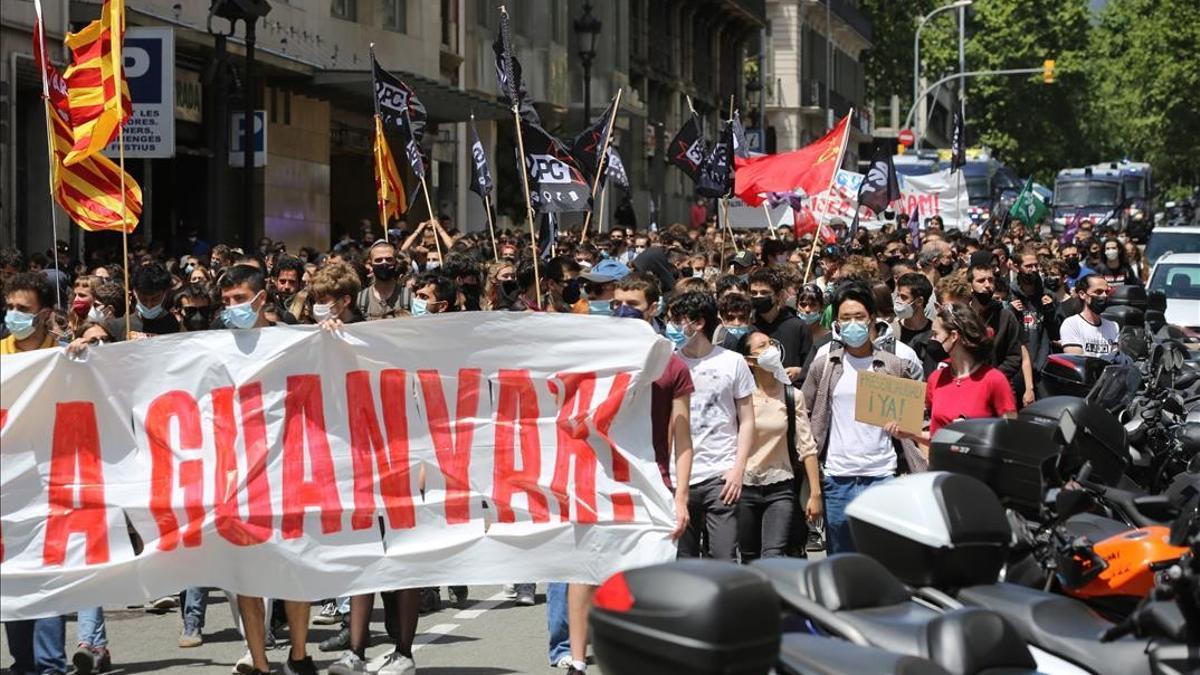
{"x":813,"y":74}
{"x":312,"y":82}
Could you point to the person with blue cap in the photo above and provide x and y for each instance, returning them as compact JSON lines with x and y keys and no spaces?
{"x":600,"y":283}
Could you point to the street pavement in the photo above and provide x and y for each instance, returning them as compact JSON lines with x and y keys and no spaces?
{"x":489,"y":635}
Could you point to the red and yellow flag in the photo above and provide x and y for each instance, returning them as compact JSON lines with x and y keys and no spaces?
{"x":90,"y":189}
{"x":96,"y":88}
{"x":388,"y":188}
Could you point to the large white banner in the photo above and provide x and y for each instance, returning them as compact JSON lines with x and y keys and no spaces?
{"x":936,"y":194}
{"x":289,"y":462}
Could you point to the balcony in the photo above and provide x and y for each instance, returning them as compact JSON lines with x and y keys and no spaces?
{"x":851,"y":16}
{"x":754,"y":10}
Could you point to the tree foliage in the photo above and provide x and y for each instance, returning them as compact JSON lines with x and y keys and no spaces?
{"x":1144,"y":69}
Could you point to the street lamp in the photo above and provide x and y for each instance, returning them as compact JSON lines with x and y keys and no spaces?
{"x":587,"y":27}
{"x":958,"y":4}
{"x":248,"y":11}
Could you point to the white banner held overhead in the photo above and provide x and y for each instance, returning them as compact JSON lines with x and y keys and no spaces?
{"x":936,"y":194}
{"x":300,"y":464}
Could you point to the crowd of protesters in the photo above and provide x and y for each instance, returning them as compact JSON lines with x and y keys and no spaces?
{"x":753,"y":419}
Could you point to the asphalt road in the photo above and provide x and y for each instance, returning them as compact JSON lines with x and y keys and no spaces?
{"x":487,"y":636}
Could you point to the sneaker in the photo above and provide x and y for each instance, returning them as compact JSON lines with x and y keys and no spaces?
{"x":336,"y":643}
{"x":164,"y":604}
{"x":431,"y":600}
{"x":302,"y":667}
{"x":349,"y":664}
{"x":398,"y":664}
{"x":190,"y":637}
{"x":328,"y":615}
{"x":564,"y":662}
{"x":84,"y":660}
{"x":526,"y":594}
{"x":244,"y":665}
{"x":510,"y":591}
{"x":816,"y":541}
{"x":575,"y":671}
{"x":458,"y":595}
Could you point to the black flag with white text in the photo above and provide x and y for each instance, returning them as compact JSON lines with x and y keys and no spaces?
{"x":481,"y":173}
{"x":556,"y":181}
{"x":687,"y":149}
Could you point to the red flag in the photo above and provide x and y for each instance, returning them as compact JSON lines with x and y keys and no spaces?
{"x":811,"y":168}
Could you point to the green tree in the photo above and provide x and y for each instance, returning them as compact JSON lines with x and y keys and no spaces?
{"x":1144,"y":67}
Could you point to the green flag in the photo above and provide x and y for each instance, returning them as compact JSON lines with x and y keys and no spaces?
{"x":1029,"y":208}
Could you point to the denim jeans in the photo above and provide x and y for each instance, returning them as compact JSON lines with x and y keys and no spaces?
{"x":764,"y":519}
{"x":709,"y":514}
{"x":194,"y":601}
{"x":91,"y":627}
{"x":556,"y":621}
{"x":839,"y":492}
{"x":37,"y":645}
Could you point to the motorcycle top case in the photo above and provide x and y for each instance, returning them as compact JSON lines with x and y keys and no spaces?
{"x":1129,"y":296}
{"x":1100,"y":439}
{"x":932,"y":529}
{"x":1071,"y":374}
{"x":1015,"y":458}
{"x":688,"y":616}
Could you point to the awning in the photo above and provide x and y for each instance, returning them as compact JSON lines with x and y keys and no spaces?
{"x":351,"y":89}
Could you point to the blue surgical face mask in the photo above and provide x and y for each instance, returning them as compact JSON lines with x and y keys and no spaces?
{"x":627,"y":312}
{"x":854,"y":334}
{"x":809,"y":317}
{"x":241,"y":316}
{"x":20,"y":324}
{"x":737,"y":332}
{"x":676,"y":335}
{"x":600,"y":307}
{"x":420,"y":307}
{"x":149,"y":312}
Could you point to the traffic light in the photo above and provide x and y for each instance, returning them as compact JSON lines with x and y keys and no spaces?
{"x":1048,"y":71}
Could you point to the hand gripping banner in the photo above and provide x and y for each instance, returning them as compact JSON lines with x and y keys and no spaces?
{"x":295,"y":463}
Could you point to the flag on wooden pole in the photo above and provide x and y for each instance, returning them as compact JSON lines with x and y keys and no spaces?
{"x":389,"y":190}
{"x":89,"y":190}
{"x":96,"y":89}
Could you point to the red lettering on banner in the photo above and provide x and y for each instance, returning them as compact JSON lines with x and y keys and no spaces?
{"x":572,"y":443}
{"x":606,"y":412}
{"x":517,"y":406}
{"x":76,"y":491}
{"x":179,"y":407}
{"x":230,"y":525}
{"x":453,"y":445}
{"x":368,"y":450}
{"x":304,"y":427}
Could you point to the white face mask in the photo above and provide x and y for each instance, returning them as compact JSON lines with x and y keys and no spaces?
{"x":322,"y":311}
{"x":1112,"y":254}
{"x":94,"y":314}
{"x":904,"y":310}
{"x":771,"y":360}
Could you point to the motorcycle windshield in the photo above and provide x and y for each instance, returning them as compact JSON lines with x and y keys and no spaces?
{"x":1116,"y":387}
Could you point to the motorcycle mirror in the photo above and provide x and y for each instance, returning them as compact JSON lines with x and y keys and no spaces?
{"x":1071,"y":502}
{"x":1067,"y":429}
{"x":1183,"y":526}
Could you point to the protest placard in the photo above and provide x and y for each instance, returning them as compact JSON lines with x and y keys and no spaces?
{"x":886,"y":398}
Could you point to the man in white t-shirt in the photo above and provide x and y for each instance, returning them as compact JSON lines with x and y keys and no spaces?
{"x":1087,"y":332}
{"x":722,"y":421}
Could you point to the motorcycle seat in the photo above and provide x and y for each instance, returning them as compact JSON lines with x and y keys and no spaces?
{"x":1062,"y":626}
{"x":813,"y":655}
{"x":1094,"y":527}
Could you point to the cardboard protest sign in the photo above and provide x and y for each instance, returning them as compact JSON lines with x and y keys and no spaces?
{"x":284,"y":462}
{"x":886,"y":398}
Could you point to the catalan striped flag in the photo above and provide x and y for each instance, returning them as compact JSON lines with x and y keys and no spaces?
{"x":89,"y":190}
{"x":389,"y":190}
{"x":98,"y":93}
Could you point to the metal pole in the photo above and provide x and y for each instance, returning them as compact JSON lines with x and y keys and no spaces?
{"x":587,"y":92}
{"x":962,"y":54}
{"x":828,"y":64}
{"x":964,"y":76}
{"x":917,"y":44}
{"x":248,"y":229}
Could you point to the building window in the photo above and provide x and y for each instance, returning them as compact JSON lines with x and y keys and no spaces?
{"x":344,"y":9}
{"x":395,"y":15}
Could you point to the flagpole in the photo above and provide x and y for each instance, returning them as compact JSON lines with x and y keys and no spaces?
{"x":116,"y":49}
{"x":725,"y":200}
{"x":52,"y":163}
{"x":602,"y":161}
{"x":770,"y":221}
{"x":437,"y":235}
{"x":603,"y":199}
{"x":487,"y":206}
{"x":378,"y":160}
{"x":516,"y":111}
{"x":811,"y":254}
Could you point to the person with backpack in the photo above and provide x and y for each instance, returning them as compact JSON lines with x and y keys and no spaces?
{"x":782,"y":443}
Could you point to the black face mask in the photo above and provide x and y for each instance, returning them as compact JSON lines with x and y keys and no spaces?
{"x":1072,"y":265}
{"x":945,"y":270}
{"x":197,"y":318}
{"x":1052,"y":284}
{"x":762,"y":304}
{"x":1098,"y":305}
{"x":510,"y":287}
{"x":984,"y":298}
{"x":936,"y":350}
{"x":384,"y":272}
{"x":1028,"y":278}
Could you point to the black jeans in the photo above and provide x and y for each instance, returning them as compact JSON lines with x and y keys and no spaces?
{"x":764,"y":517}
{"x":709,"y":514}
